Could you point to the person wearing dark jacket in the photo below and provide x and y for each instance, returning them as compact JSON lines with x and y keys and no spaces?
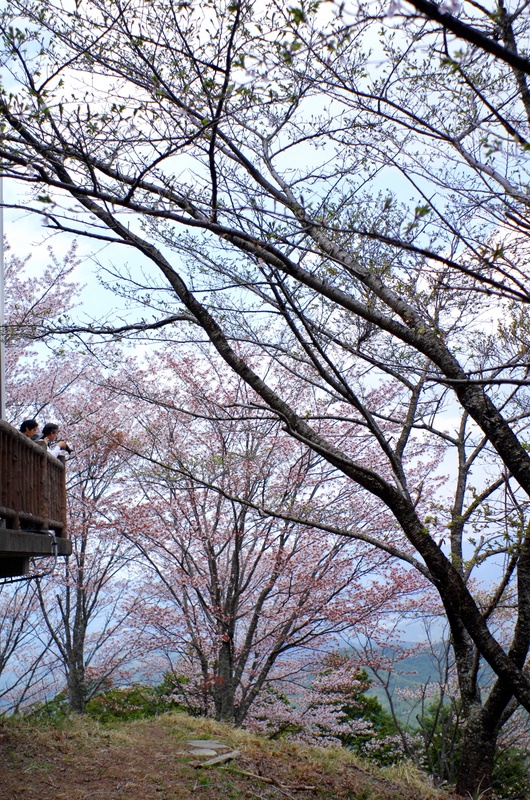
{"x":31,"y":428}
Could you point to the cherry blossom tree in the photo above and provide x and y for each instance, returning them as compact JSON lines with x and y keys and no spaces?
{"x":241,"y":592}
{"x":331,"y":707}
{"x":354,"y":207}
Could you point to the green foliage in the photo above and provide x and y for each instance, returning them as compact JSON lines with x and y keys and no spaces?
{"x":131,"y":702}
{"x":442,"y":728}
{"x":511,"y":774}
{"x":441,"y":732}
{"x":50,"y":712}
{"x":379,"y":744}
{"x":360,"y":705}
{"x":183,"y":696}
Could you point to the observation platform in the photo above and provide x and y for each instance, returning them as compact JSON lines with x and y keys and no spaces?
{"x":32,"y":503}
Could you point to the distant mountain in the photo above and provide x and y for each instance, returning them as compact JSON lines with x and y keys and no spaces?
{"x":415,"y":681}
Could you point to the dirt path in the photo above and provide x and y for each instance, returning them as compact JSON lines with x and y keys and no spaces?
{"x":151,"y":760}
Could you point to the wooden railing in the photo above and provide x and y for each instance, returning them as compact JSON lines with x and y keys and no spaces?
{"x":32,"y":485}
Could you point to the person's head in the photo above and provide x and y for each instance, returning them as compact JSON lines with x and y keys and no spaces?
{"x":50,"y":431}
{"x":29,"y":427}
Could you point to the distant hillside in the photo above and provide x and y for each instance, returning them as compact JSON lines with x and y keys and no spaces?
{"x":412,"y":673}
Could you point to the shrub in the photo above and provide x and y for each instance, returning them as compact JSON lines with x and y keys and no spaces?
{"x":130,"y":703}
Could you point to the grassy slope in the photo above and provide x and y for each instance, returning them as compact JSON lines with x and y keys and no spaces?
{"x":150,"y":760}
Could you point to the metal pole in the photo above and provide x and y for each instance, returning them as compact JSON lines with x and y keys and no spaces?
{"x":2,"y":316}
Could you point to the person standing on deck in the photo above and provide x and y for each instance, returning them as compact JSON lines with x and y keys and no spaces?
{"x":50,"y":433}
{"x":31,"y":428}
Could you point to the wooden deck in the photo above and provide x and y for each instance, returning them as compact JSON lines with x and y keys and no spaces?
{"x":32,"y":502}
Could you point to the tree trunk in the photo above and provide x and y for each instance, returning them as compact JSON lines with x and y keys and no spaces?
{"x":478,"y":750}
{"x":224,"y":687}
{"x":76,"y":687}
{"x":76,"y":662}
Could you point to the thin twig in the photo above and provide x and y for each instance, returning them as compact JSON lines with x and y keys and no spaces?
{"x":274,"y":782}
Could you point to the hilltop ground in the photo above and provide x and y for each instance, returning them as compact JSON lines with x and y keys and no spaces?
{"x":151,"y":760}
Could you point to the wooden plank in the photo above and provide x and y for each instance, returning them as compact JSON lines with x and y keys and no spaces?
{"x":13,"y":566}
{"x":31,"y":544}
{"x":219,"y":759}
